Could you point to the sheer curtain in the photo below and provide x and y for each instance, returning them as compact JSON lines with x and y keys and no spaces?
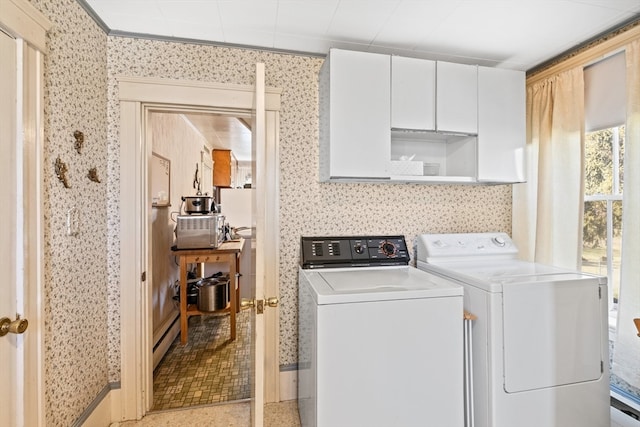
{"x":548,"y":208}
{"x":626,"y":353}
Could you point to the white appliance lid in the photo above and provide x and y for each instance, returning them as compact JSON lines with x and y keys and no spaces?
{"x":342,"y":285}
{"x":491,"y":276}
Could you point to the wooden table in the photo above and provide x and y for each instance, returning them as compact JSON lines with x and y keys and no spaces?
{"x":227,"y":252}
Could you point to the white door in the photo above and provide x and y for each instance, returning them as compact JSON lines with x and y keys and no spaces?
{"x":10,"y":344}
{"x":258,"y":205}
{"x":20,"y":379}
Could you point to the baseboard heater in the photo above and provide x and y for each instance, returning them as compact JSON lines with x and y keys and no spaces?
{"x":168,"y":333}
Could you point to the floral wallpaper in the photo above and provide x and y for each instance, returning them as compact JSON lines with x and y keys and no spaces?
{"x":75,"y":266}
{"x":308,"y":207}
{"x":82,"y":275}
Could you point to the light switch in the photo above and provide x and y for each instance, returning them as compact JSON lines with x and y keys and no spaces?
{"x":73,"y":221}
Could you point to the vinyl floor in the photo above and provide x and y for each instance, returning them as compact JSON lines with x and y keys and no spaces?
{"x":209,"y":369}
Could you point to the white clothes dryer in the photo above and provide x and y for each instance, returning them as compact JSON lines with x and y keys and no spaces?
{"x":540,"y":341}
{"x":379,"y":342}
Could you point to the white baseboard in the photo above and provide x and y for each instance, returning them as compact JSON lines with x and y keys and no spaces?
{"x":116,"y":407}
{"x":105,"y":411}
{"x":288,"y":385}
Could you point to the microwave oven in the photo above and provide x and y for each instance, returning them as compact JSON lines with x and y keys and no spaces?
{"x":199,"y":231}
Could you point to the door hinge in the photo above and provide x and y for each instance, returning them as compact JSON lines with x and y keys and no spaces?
{"x":143,"y":276}
{"x":599,"y":292}
{"x":601,"y":367}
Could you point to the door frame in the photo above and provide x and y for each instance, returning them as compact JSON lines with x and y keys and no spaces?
{"x":22,"y":21}
{"x":135,"y":94}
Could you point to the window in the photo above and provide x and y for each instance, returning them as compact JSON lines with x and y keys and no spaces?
{"x":605,"y":115}
{"x":602,"y":223}
{"x":603,"y":228}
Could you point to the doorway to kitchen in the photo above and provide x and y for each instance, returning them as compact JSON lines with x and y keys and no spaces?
{"x":137,"y":96}
{"x":210,"y":367}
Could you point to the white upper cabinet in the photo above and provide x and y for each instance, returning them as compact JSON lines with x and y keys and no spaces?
{"x":456,"y":98}
{"x":501,"y":125}
{"x":355,"y":99}
{"x":398,"y":119}
{"x":413,"y":93}
{"x":428,"y":96}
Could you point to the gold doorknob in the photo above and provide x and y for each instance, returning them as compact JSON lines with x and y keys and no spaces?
{"x":247,"y":303}
{"x":17,"y":326}
{"x":272,"y":302}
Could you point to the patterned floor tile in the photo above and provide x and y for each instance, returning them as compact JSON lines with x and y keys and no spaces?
{"x":210,"y":368}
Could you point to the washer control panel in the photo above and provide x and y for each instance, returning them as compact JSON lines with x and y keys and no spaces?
{"x":353,"y":251}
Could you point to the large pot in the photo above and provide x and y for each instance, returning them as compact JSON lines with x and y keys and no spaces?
{"x":213,"y":294}
{"x":192,"y":294}
{"x":198,"y":204}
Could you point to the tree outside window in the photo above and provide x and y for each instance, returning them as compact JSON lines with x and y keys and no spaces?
{"x":602,"y":223}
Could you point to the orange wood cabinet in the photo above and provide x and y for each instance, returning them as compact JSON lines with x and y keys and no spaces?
{"x":221,"y":168}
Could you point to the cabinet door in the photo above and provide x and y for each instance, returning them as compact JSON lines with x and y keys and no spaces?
{"x":457,"y":98}
{"x":355,"y":131}
{"x":206,"y":165}
{"x":221,"y":168}
{"x":501,"y":125}
{"x":413,"y":93}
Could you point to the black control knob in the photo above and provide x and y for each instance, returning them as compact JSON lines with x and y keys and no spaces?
{"x":388,"y":248}
{"x":358,"y":248}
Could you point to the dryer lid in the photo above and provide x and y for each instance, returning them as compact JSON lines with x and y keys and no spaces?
{"x":490,"y":275}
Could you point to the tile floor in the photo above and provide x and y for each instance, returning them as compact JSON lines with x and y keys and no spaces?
{"x":208,"y":369}
{"x":205,"y":383}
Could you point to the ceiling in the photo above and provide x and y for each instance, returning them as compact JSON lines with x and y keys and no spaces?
{"x":514,"y":34}
{"x":224,"y":132}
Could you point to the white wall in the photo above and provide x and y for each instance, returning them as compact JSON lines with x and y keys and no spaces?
{"x":173,"y":138}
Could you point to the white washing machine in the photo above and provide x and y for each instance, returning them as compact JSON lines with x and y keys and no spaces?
{"x":540,"y":341}
{"x":379,"y":342}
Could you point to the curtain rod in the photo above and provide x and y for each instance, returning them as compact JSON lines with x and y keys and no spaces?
{"x":588,"y":51}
